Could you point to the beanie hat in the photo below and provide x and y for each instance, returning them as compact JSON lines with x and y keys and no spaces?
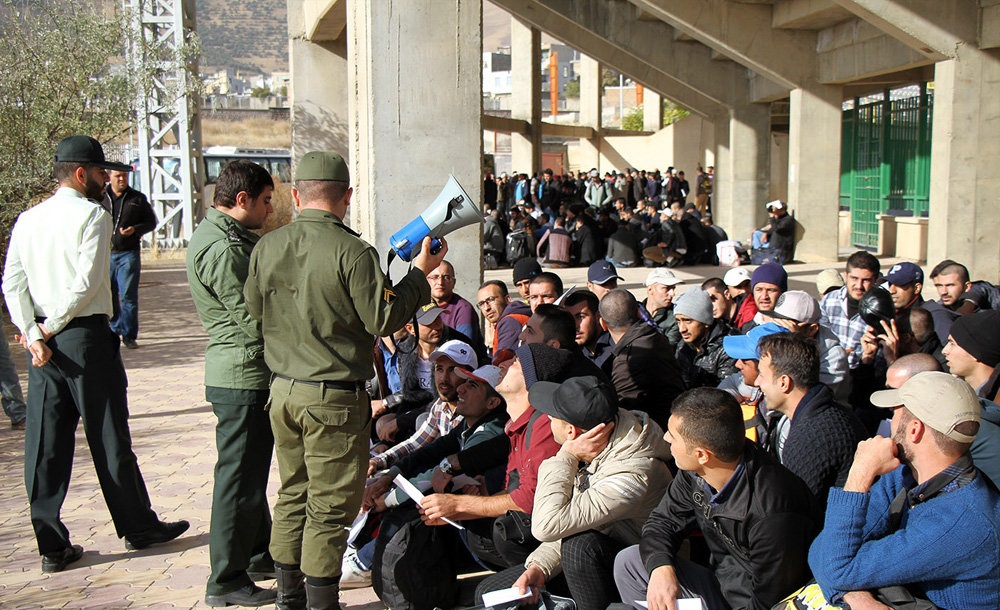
{"x":695,"y":304}
{"x":979,"y":334}
{"x":770,"y":273}
{"x":541,"y":362}
{"x":526,"y":269}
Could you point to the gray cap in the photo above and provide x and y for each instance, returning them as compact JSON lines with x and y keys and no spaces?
{"x":695,"y":304}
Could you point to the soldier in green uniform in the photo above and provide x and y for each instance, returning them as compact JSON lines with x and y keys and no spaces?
{"x":322,"y":299}
{"x":236,"y":383}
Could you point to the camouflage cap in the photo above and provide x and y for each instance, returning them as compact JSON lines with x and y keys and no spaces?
{"x":322,"y":165}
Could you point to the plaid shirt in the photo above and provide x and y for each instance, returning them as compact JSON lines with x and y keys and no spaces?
{"x":440,"y":421}
{"x":833,"y":308}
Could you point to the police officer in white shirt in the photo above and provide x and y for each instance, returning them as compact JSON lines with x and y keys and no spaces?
{"x":58,"y":292}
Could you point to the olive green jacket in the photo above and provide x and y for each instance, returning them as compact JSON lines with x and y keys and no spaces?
{"x":217,"y":261}
{"x":322,"y":299}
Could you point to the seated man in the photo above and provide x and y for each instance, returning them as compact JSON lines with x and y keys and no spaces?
{"x":839,"y":308}
{"x":914,"y":510}
{"x":743,"y":385}
{"x":593,"y":340}
{"x":766,"y":284}
{"x":737,"y":282}
{"x":973,"y":352}
{"x":602,"y":278}
{"x":504,"y":317}
{"x":585,"y":515}
{"x":457,"y":313}
{"x":524,"y":271}
{"x":821,"y":434}
{"x":661,"y":287}
{"x":700,"y":354}
{"x":755,"y":516}
{"x":644,"y":372}
{"x":552,"y":325}
{"x":546,"y":287}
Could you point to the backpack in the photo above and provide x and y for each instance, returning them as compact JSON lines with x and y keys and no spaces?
{"x":518,"y":246}
{"x":416,"y":568}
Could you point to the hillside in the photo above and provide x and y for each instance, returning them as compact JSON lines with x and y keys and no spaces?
{"x":248,"y":35}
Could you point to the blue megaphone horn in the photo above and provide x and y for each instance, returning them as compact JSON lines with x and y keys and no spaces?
{"x":453,"y":209}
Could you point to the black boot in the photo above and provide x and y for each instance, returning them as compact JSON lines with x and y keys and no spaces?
{"x":291,"y":589}
{"x":323,"y":597}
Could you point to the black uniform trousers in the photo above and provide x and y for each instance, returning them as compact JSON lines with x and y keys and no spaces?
{"x":84,"y":379}
{"x":240,"y":528}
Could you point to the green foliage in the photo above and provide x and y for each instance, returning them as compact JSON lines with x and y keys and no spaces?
{"x":260,"y":92}
{"x":673,"y":113}
{"x":572,"y":89}
{"x":632,"y":121}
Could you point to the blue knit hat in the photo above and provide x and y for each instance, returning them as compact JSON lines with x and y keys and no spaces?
{"x":770,"y":273}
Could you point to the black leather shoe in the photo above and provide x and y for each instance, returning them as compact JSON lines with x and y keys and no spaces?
{"x":161,"y":532}
{"x":57,"y":562}
{"x":250,"y":595}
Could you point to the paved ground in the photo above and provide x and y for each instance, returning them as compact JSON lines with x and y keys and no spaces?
{"x":173,"y":436}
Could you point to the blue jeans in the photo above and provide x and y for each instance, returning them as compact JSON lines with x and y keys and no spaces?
{"x":125,"y":293}
{"x":11,"y":396}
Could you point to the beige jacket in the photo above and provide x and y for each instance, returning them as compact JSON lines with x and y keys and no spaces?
{"x":613,"y":494}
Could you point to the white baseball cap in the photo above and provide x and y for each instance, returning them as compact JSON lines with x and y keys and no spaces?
{"x":458,"y":351}
{"x":777,"y":204}
{"x":736,"y":276}
{"x":488,"y":374}
{"x":663,"y":276}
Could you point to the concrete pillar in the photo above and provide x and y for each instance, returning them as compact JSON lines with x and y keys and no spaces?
{"x":814,"y":170}
{"x":965,"y":152}
{"x":319,"y":104}
{"x":652,"y":110}
{"x":742,"y":169}
{"x":525,"y":100}
{"x":409,"y":130}
{"x":590,"y":112}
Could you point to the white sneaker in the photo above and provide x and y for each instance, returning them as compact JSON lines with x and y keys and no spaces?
{"x":352,"y":574}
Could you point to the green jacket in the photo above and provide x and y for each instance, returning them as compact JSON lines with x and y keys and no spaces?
{"x":217,"y":261}
{"x":322,"y":299}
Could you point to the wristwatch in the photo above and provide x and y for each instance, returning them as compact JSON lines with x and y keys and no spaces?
{"x":447,"y":468}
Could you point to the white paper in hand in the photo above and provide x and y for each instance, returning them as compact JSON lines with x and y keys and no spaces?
{"x":503,"y":596}
{"x":689,"y":603}
{"x":416,"y":495}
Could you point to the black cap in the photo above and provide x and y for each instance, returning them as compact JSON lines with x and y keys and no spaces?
{"x":526,"y":269}
{"x":581,"y":401}
{"x":85,"y":150}
{"x":876,"y":307}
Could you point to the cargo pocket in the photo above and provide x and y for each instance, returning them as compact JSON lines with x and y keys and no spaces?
{"x":331,"y":440}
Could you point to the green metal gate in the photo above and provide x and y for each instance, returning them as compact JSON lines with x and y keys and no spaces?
{"x":885,"y":159}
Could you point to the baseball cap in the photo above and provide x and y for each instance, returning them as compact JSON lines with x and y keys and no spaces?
{"x":902,"y":274}
{"x":489,"y":374}
{"x":736,"y":276}
{"x":600,"y":272}
{"x":797,"y":306}
{"x":581,"y":401}
{"x":937,"y":399}
{"x":777,"y":204}
{"x":663,"y":276}
{"x":322,"y":165}
{"x":86,"y":151}
{"x":744,"y":347}
{"x":460,"y":352}
{"x":828,"y":279}
{"x":428,"y":313}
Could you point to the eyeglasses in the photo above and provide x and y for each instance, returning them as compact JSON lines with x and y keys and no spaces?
{"x":443,"y":278}
{"x":487,"y":301}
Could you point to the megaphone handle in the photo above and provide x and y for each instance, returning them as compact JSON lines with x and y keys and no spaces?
{"x":435,"y":245}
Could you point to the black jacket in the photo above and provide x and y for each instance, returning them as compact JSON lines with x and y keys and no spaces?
{"x":644,"y":372}
{"x":585,"y":240}
{"x":132,"y":210}
{"x":781,"y":236}
{"x":759,"y":535}
{"x":709,"y":366}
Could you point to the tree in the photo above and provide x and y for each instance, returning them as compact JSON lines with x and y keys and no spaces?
{"x":673,"y":113}
{"x":63,"y":73}
{"x":632,"y":121}
{"x":260,"y":92}
{"x":572,"y":89}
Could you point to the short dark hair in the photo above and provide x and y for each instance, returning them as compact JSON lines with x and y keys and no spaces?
{"x":619,"y":309}
{"x":864,"y":260}
{"x":582,"y":296}
{"x":711,"y":418}
{"x":240,"y":176}
{"x":950,"y":267}
{"x":922,"y":324}
{"x":794,"y":355}
{"x":547,"y":277}
{"x":558,"y":324}
{"x":63,"y":170}
{"x":329,"y":191}
{"x":714,"y":282}
{"x":498,"y":284}
{"x":947,"y":445}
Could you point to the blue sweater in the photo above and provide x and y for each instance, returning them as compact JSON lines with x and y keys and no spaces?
{"x":947,"y":548}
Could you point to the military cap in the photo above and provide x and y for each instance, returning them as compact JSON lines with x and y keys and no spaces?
{"x":322,"y":165}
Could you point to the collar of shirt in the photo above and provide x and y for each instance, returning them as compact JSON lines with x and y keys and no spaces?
{"x":716,"y":498}
{"x":958,"y":474}
{"x":231,"y":226}
{"x":316,"y":215}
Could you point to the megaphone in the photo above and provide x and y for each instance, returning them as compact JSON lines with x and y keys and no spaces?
{"x":452,"y":210}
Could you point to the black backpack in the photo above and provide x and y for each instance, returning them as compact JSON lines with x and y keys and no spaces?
{"x":518,"y":246}
{"x":415,"y":569}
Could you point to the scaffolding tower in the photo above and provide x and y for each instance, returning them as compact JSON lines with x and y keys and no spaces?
{"x":168,"y":126}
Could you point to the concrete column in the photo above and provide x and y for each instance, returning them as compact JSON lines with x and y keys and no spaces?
{"x":525,"y":100}
{"x":416,"y":116}
{"x":814,"y":170}
{"x":652,"y":110}
{"x":319,"y":70}
{"x":590,"y":112}
{"x":965,"y":152}
{"x":742,"y":169}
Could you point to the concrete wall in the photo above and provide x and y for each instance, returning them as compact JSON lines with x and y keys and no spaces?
{"x":680,"y":145}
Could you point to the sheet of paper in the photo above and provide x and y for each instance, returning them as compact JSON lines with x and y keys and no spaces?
{"x":503,"y":596}
{"x":416,"y":495}
{"x":563,"y":296}
{"x":690,"y":603}
{"x":357,"y":526}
